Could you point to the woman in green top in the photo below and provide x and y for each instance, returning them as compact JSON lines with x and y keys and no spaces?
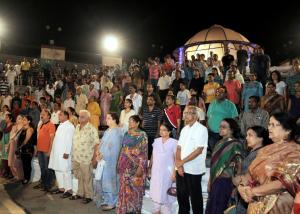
{"x":5,"y":170}
{"x":116,"y":101}
{"x":226,"y":162}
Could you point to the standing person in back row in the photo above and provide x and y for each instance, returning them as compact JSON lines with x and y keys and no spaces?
{"x":190,"y":162}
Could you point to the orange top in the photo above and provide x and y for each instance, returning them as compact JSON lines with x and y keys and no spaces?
{"x":44,"y":133}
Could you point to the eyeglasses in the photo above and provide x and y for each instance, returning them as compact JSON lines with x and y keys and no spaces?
{"x":188,"y":112}
{"x":220,"y":90}
{"x":272,"y":125}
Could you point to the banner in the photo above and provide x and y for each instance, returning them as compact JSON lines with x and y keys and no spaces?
{"x":53,"y":52}
{"x":111,"y":61}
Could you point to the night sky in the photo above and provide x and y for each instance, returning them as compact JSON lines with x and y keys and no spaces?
{"x":142,"y":24}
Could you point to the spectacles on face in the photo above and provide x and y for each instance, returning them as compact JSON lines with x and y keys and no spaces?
{"x":189,"y":113}
{"x":220,"y":90}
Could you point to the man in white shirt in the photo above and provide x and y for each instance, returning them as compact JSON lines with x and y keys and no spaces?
{"x":136,"y":98}
{"x":55,"y":114}
{"x":60,"y":157}
{"x":190,"y":162}
{"x":69,"y":102}
{"x":11,"y":76}
{"x":95,"y":83}
{"x":178,"y":68}
{"x":163,"y":84}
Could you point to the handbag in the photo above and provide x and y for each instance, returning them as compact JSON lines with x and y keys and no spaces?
{"x":172,"y":191}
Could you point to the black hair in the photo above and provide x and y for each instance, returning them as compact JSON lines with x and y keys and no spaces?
{"x":223,"y":87}
{"x":137,"y":119}
{"x":169,"y":128}
{"x":172,"y":97}
{"x":114,"y":116}
{"x":278,"y":75}
{"x":134,"y":86}
{"x":256,"y":98}
{"x":10,"y":116}
{"x":6,"y":106}
{"x":271,"y":83}
{"x":35,"y":103}
{"x":29,"y":118}
{"x":234,"y":127}
{"x":130,"y":101}
{"x":48,"y":113}
{"x":59,"y":104}
{"x":288,"y":123}
{"x":263,"y":133}
{"x":152,"y":96}
{"x":43,"y":98}
{"x":72,"y":110}
{"x":66,"y":114}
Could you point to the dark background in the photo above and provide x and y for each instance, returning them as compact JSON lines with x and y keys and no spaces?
{"x":145,"y":28}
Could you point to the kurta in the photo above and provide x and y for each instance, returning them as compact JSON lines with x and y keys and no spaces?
{"x":5,"y":141}
{"x":110,"y":147}
{"x":132,"y":188}
{"x":162,"y":170}
{"x":95,"y":111}
{"x":62,"y":144}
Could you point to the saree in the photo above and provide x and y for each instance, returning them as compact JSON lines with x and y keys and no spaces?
{"x":226,"y":158}
{"x":274,"y":104}
{"x":132,"y":188}
{"x":275,"y":156}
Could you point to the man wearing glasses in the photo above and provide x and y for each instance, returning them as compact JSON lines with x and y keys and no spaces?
{"x":190,"y":162}
{"x":219,"y":109}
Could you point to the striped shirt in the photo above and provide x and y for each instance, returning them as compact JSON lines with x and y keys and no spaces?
{"x":151,"y":119}
{"x":4,"y":87}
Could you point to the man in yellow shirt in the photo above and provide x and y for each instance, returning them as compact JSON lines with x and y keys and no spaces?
{"x":209,"y":90}
{"x":25,"y":67}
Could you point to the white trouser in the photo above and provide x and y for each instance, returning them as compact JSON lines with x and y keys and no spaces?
{"x":64,"y":180}
{"x":75,"y":185}
{"x":12,"y":87}
{"x":162,"y":208}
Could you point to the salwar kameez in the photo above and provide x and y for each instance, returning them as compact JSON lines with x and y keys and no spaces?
{"x":132,"y":188}
{"x":108,"y":186}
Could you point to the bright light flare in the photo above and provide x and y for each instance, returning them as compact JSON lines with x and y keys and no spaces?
{"x":111,"y":43}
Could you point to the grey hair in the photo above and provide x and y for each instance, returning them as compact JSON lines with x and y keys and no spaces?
{"x":86,"y":112}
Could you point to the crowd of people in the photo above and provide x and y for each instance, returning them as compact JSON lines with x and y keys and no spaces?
{"x":102,"y":135}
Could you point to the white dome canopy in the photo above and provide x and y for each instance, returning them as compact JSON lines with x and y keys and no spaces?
{"x":216,"y":39}
{"x":216,"y":33}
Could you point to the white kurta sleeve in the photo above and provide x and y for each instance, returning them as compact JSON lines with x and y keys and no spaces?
{"x":68,"y":139}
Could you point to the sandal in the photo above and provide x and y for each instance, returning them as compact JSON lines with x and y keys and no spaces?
{"x":75,"y":197}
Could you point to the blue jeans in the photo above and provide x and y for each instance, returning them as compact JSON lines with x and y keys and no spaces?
{"x":46,"y":174}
